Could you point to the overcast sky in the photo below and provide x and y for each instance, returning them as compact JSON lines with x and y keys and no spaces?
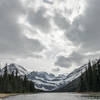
{"x":49,"y":35}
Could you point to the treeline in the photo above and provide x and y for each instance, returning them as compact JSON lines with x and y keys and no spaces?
{"x":12,"y":83}
{"x":90,"y":80}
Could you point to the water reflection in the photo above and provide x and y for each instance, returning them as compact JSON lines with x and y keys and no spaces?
{"x":91,"y":97}
{"x":55,"y":96}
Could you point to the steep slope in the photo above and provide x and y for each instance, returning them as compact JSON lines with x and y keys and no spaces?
{"x":72,"y":86}
{"x":45,"y":81}
{"x":85,"y":74}
{"x":49,"y":82}
{"x":72,"y":80}
{"x":42,"y":80}
{"x":13,"y":68}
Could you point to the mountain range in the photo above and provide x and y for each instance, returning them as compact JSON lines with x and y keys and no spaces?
{"x":43,"y":80}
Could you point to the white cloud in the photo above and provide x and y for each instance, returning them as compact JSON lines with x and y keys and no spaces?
{"x":41,"y":31}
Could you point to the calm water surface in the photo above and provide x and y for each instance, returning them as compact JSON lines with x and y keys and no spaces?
{"x":55,"y":96}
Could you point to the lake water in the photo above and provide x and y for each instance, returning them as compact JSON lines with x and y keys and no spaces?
{"x":55,"y":96}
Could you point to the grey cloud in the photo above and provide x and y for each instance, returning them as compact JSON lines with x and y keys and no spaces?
{"x":38,"y":19}
{"x":74,"y":58}
{"x":56,"y":69}
{"x":77,"y":58}
{"x":48,"y":1}
{"x":34,"y":45}
{"x":61,"y":21}
{"x":12,"y":41}
{"x":63,"y":62}
{"x":85,"y":30}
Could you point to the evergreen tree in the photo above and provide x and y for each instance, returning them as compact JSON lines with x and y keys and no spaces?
{"x":86,"y":79}
{"x":12,"y":83}
{"x":95,"y":79}
{"x":82,"y":84}
{"x":90,"y":76}
{"x":98,"y":72}
{"x":5,"y":80}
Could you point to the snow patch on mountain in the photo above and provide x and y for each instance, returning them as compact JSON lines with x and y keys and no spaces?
{"x":44,"y":80}
{"x":73,"y":75}
{"x":13,"y":68}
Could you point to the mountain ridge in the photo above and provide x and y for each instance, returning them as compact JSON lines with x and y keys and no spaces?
{"x":45,"y":81}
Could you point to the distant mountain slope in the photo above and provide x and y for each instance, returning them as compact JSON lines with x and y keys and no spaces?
{"x":42,"y":80}
{"x":45,"y":81}
{"x":13,"y":68}
{"x":72,"y":80}
{"x":84,"y":79}
{"x":72,"y":86}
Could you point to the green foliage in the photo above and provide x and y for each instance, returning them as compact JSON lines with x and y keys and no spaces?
{"x":12,"y":83}
{"x":82,"y":84}
{"x":90,"y":80}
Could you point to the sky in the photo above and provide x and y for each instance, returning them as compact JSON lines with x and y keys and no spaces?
{"x":55,"y":36}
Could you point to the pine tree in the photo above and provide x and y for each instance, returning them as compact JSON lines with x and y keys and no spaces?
{"x":82,"y":84}
{"x":12,"y":83}
{"x":31,"y":87}
{"x":86,"y":79}
{"x":90,"y":76}
{"x":25,"y":83}
{"x":98,"y":73}
{"x":5,"y":72}
{"x":95,"y":78}
{"x":5,"y":80}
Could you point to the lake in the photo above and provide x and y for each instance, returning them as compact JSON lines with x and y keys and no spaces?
{"x":55,"y":96}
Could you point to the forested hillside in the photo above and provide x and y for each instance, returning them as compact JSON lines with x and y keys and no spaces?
{"x":90,"y":80}
{"x":13,"y":83}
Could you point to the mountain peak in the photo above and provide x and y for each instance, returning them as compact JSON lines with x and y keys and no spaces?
{"x":14,"y":67}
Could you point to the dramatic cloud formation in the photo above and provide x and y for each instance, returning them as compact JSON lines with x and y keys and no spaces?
{"x":12,"y":39}
{"x":38,"y":20}
{"x":61,"y":21}
{"x":85,"y":29}
{"x":67,"y":62}
{"x":49,"y":35}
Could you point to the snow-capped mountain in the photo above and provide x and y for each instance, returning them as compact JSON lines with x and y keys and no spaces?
{"x":13,"y":68}
{"x":72,"y":80}
{"x":73,"y":75}
{"x":42,"y":80}
{"x":50,"y":82}
{"x":45,"y":81}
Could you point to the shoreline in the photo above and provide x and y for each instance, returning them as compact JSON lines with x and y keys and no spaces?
{"x":5,"y":95}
